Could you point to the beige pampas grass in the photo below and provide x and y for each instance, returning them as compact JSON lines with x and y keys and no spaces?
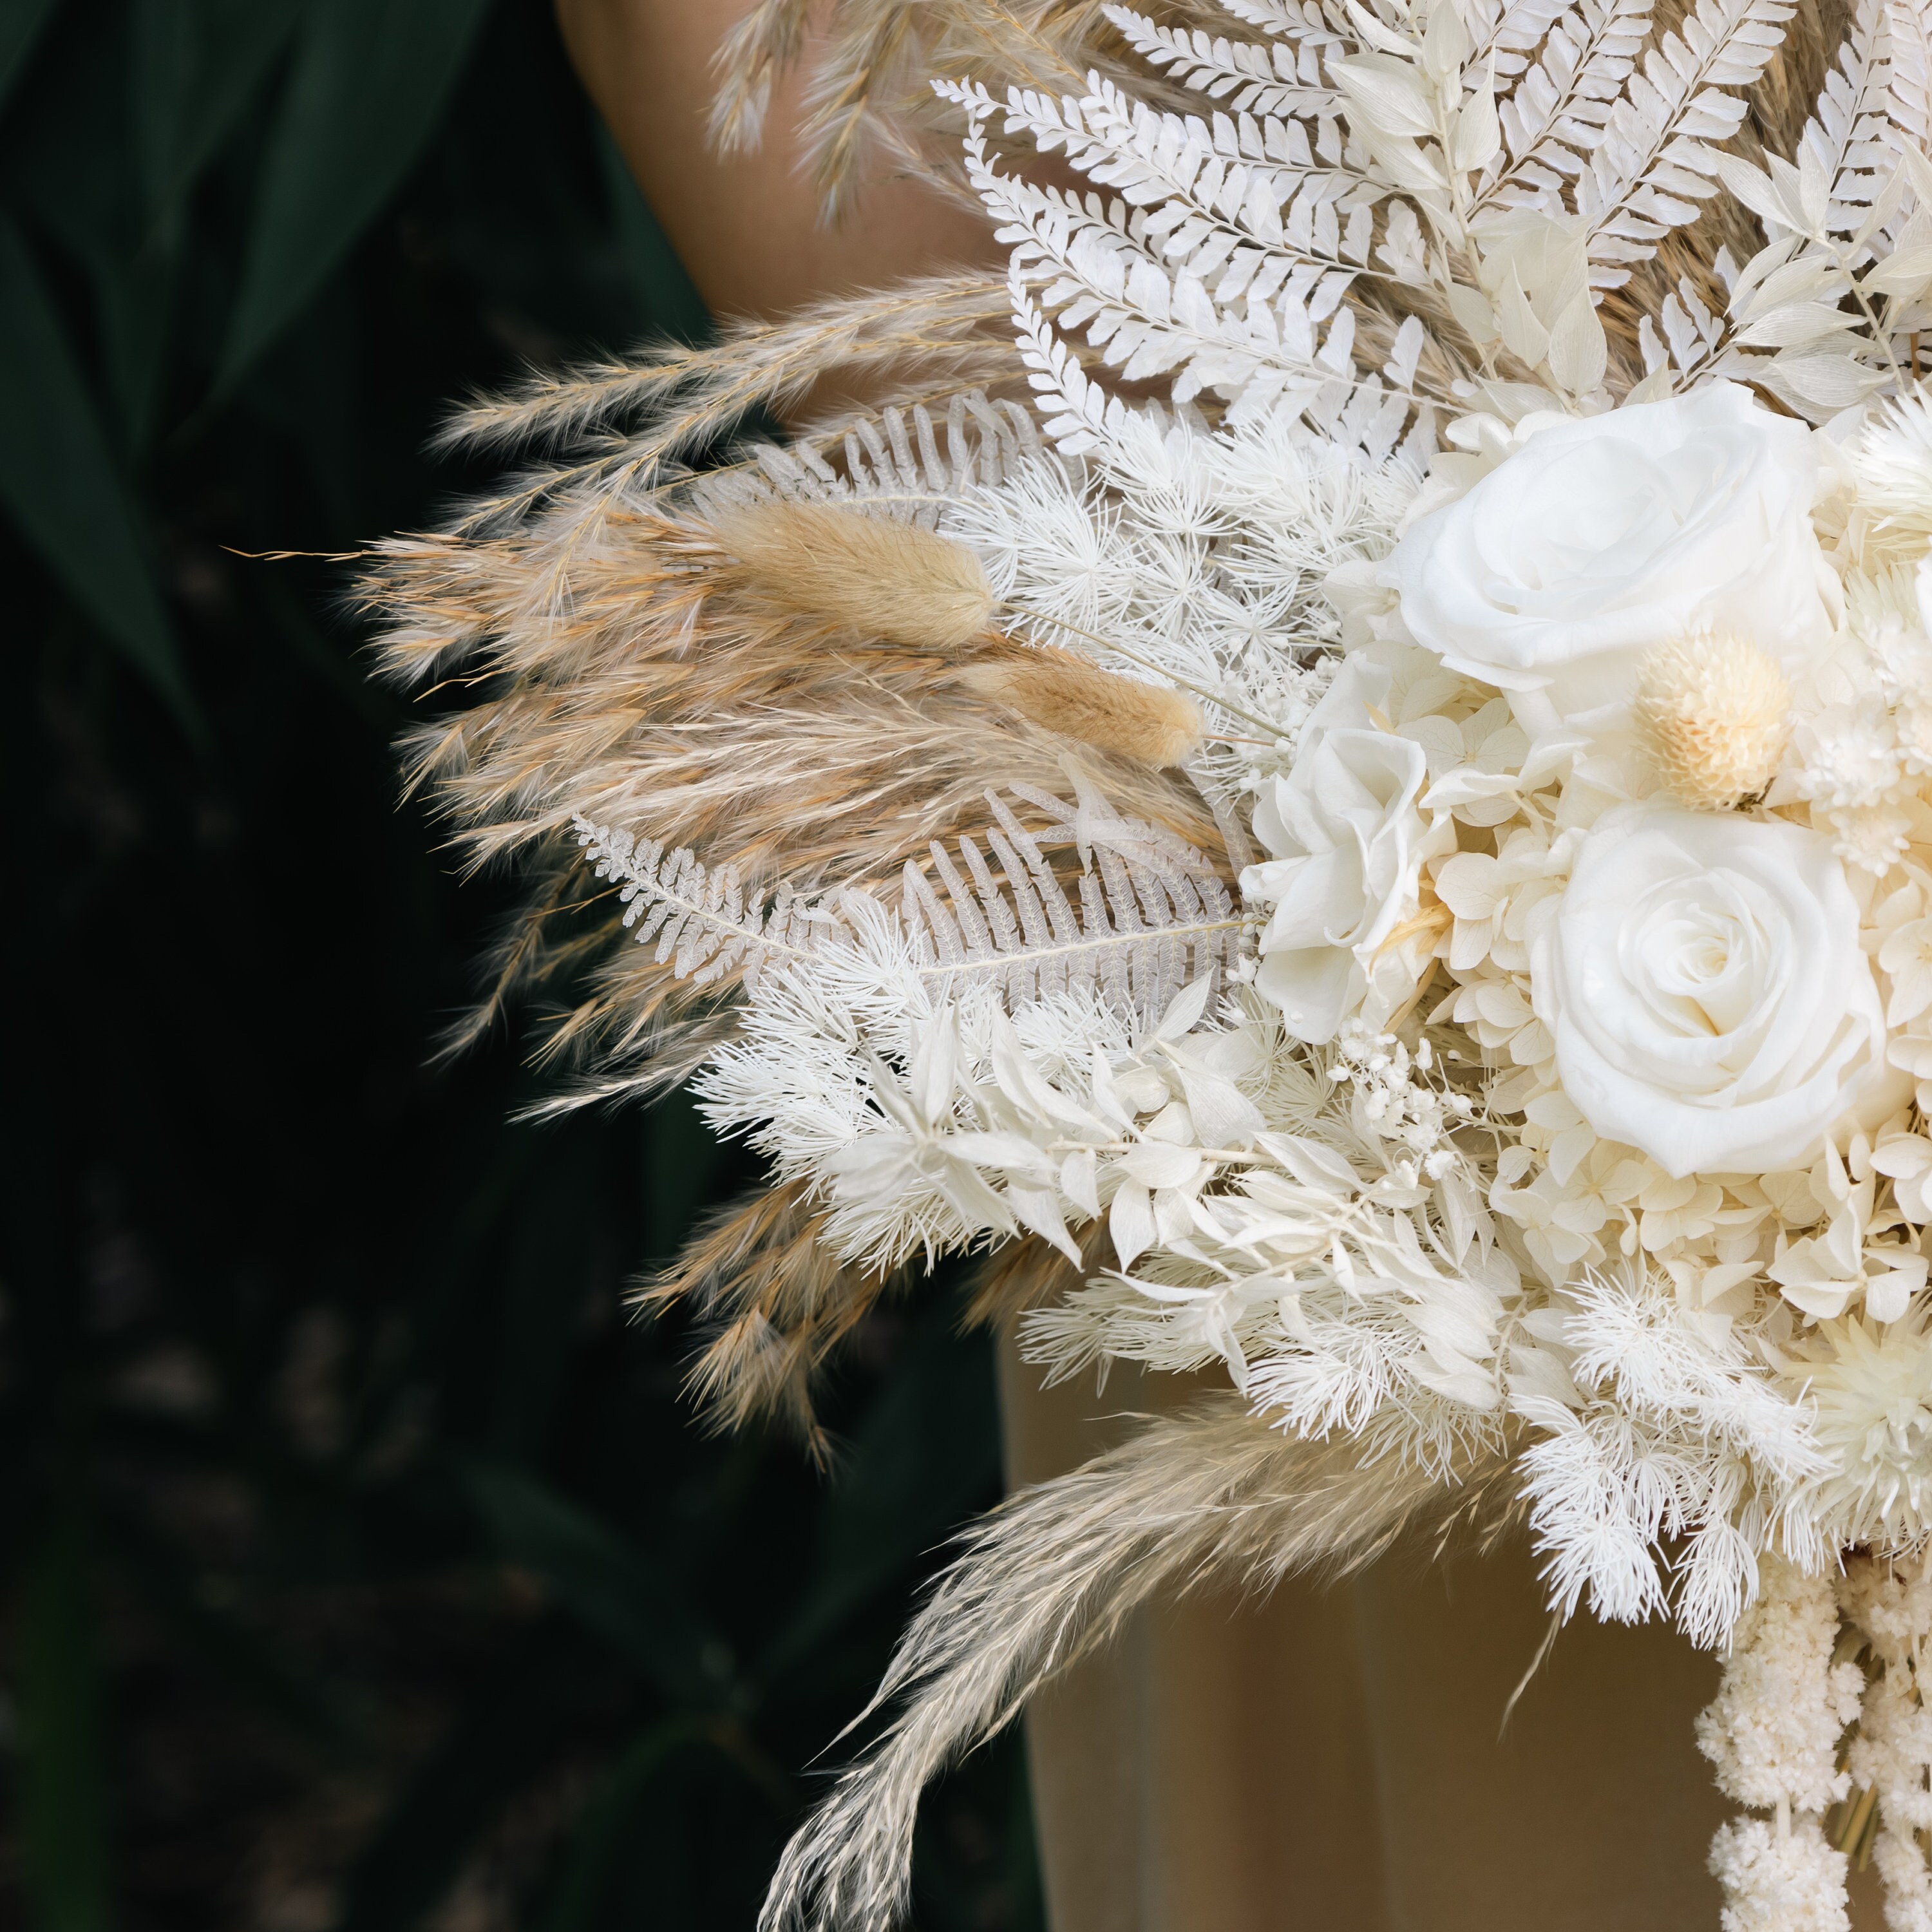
{"x":1210,"y":1496}
{"x":873,"y":575}
{"x":1063,"y":693}
{"x":776,"y":1302}
{"x":1714,"y":714}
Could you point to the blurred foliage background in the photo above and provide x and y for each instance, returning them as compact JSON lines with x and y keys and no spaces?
{"x":361,"y":1568}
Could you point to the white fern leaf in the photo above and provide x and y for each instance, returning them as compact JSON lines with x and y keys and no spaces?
{"x":1306,"y":21}
{"x":1506,"y":35}
{"x":1245,"y":76}
{"x":1101,"y":274}
{"x":1909,"y":26}
{"x":1238,"y":204}
{"x":903,"y":454}
{"x":1152,"y":917}
{"x":1655,"y":163}
{"x":1848,"y":141}
{"x":1693,"y":344}
{"x":698,"y":916}
{"x":1555,"y":116}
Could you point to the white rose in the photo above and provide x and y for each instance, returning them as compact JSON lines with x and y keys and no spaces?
{"x":1604,"y":536}
{"x":1349,"y":843}
{"x":1702,"y":978}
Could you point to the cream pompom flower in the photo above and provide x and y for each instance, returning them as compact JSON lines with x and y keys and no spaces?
{"x":1714,"y":713}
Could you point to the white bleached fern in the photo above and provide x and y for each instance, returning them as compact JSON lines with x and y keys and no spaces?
{"x":1151,"y":916}
{"x":697,"y":917}
{"x":1245,"y":76}
{"x":1653,"y":166}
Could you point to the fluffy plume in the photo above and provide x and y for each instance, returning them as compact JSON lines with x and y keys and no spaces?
{"x":774,"y":1301}
{"x":938,"y":331}
{"x":1063,"y":693}
{"x":875,"y":576}
{"x":1209,"y":1497}
{"x":1715,"y":713}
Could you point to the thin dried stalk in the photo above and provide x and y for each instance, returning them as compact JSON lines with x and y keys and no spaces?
{"x":1214,"y":1496}
{"x":694,"y":395}
{"x":777,"y":1302}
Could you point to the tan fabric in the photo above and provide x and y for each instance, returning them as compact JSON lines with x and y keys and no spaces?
{"x":1330,"y":1760}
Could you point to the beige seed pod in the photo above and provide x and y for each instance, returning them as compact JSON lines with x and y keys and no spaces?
{"x":1714,"y":713}
{"x":1063,"y":693}
{"x":872,"y":575}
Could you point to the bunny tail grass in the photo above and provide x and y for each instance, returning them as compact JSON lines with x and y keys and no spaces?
{"x":1051,"y":1575}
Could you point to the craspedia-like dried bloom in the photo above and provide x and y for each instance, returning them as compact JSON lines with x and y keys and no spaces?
{"x":1714,"y":714}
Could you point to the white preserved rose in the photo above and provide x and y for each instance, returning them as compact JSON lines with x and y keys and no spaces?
{"x":1702,"y":978}
{"x":1349,"y":841}
{"x":1602,"y":538}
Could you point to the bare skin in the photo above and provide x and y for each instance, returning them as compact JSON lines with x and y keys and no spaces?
{"x":746,"y":226}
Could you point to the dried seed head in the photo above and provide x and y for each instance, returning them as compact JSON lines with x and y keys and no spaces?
{"x":868,"y":574}
{"x":1714,"y":712}
{"x":1063,"y":693}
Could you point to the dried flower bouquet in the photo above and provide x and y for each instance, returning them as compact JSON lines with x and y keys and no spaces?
{"x":1338,"y":779}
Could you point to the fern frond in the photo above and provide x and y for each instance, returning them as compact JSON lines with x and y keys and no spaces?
{"x":1102,"y":273}
{"x":1555,"y":115}
{"x":702,"y":926}
{"x":1153,"y":916}
{"x":1848,"y":140}
{"x":1506,"y":35}
{"x":1246,"y":76}
{"x":1654,"y":163}
{"x":1693,"y":343}
{"x":1908,"y":33}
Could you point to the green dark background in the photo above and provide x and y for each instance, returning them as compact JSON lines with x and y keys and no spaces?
{"x":361,"y":1566}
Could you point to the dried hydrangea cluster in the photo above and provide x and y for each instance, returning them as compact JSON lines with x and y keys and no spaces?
{"x":1399,"y":873}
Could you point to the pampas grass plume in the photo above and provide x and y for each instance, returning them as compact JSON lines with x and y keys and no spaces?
{"x":1714,"y":712}
{"x":1061,"y":692}
{"x":869,"y":575}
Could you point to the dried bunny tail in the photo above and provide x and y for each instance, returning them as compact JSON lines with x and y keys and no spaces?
{"x":1064,"y":693}
{"x":1053,"y":1573}
{"x":778,"y":1302}
{"x":874,"y":575}
{"x":941,"y":323}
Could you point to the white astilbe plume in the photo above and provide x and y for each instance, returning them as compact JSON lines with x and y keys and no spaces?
{"x":1890,"y":1759}
{"x":1772,"y":1733}
{"x":1792,"y":1882}
{"x":1212,"y":1496}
